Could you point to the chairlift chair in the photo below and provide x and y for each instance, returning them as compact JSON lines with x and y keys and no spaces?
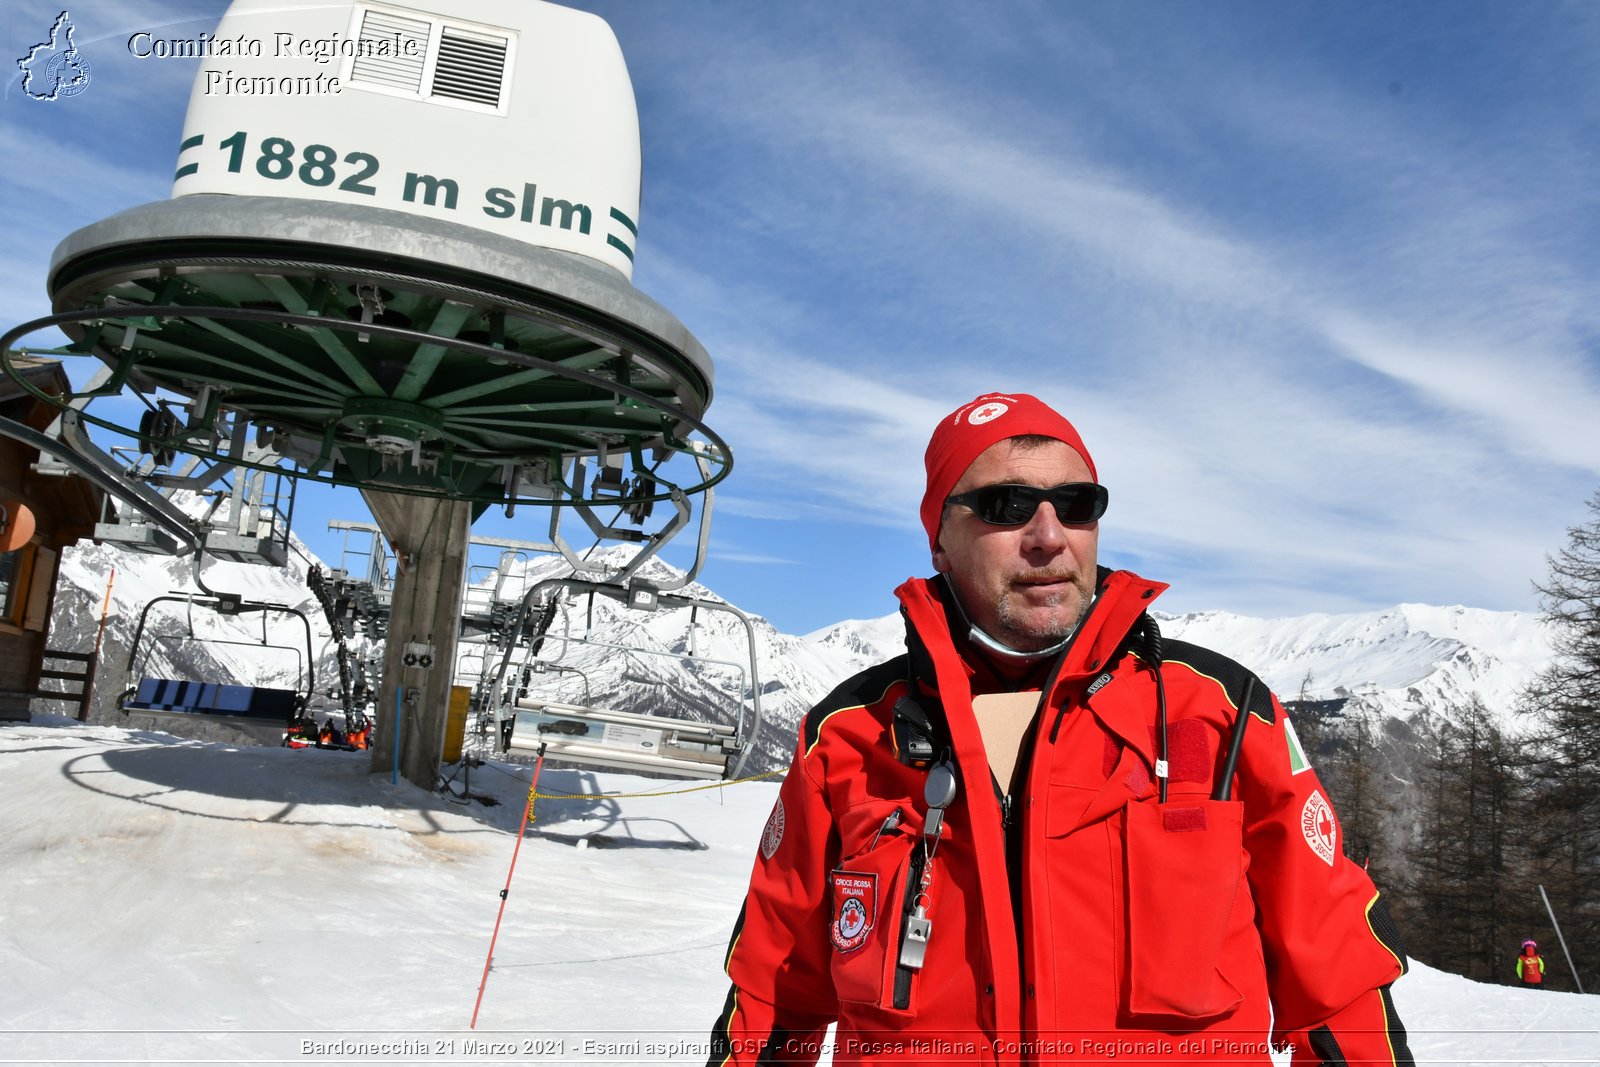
{"x":627,"y":740}
{"x":216,"y":701}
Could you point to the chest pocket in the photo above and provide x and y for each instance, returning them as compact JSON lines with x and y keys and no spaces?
{"x":868,"y":891}
{"x":1185,"y":866}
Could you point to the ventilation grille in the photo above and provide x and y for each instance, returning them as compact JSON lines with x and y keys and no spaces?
{"x":403,"y":71}
{"x":413,"y":54}
{"x":469,"y":67}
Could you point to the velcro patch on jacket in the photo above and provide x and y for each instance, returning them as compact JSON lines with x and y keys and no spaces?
{"x":855,"y":908}
{"x":1110,"y":753}
{"x":1188,"y":750}
{"x":1183,"y":820}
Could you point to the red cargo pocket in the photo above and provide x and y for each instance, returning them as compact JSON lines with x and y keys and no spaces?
{"x":1184,"y":867}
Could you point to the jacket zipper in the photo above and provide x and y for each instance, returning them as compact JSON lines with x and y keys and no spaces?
{"x":903,"y":974}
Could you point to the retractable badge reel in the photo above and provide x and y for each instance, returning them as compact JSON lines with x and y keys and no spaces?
{"x":939,"y":791}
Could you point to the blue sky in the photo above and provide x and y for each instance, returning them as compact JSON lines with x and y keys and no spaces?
{"x":1316,"y":282}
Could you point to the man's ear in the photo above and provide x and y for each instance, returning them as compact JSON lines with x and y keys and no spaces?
{"x":941,"y":559}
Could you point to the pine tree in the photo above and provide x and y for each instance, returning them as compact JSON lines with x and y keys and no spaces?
{"x":1490,"y":779}
{"x":1565,"y":702}
{"x":1428,"y":900}
{"x":1307,"y":715}
{"x":1467,"y":893}
{"x":1363,"y":803}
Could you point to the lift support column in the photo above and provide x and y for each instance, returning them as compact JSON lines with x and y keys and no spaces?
{"x":429,"y":537}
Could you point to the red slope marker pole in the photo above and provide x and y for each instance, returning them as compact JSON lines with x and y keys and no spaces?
{"x":527,"y":809}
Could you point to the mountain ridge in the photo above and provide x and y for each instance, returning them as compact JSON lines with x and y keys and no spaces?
{"x":1400,"y":661}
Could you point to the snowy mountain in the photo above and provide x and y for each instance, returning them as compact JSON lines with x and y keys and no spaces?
{"x":695,"y":663}
{"x":1400,"y":661}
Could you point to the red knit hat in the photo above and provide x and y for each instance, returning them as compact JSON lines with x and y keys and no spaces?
{"x":963,"y":435}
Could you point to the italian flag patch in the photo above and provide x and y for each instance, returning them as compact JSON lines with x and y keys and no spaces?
{"x":1297,"y":755}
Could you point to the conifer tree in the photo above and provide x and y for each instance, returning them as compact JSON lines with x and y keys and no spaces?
{"x":1430,"y":893}
{"x":1363,"y":801}
{"x":1307,"y":716}
{"x":1490,"y":783}
{"x":1467,"y":890}
{"x":1564,"y":700}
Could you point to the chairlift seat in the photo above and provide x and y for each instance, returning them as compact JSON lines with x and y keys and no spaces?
{"x":624,"y":740}
{"x":176,"y":698}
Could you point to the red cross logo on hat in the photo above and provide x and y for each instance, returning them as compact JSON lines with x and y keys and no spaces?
{"x":987,"y":413}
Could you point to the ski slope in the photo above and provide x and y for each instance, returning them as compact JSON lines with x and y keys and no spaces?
{"x":165,"y":901}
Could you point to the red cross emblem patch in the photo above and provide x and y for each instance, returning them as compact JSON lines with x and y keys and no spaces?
{"x":855,"y":908}
{"x":988,"y":413}
{"x":1321,"y":832}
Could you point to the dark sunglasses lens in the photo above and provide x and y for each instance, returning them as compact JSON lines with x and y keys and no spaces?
{"x":1012,"y":505}
{"x":1079,"y":503}
{"x":1005,"y":505}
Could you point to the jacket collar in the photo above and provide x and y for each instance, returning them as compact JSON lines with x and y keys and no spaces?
{"x":939,"y":623}
{"x":932,"y":622}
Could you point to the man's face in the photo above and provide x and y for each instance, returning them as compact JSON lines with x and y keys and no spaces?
{"x":1026,"y":585}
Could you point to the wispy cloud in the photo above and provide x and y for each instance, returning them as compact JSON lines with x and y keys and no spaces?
{"x":1313,"y":407}
{"x":733,"y":555}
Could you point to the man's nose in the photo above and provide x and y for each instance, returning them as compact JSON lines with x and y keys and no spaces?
{"x":1044,"y":532}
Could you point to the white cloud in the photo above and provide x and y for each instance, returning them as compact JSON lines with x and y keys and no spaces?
{"x":1315,"y":414}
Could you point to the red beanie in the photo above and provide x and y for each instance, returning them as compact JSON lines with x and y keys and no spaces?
{"x":966,"y":432}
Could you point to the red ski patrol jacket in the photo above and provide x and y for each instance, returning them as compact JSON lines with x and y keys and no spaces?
{"x":1118,"y":929}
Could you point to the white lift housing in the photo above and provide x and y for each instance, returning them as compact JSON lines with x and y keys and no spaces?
{"x":519,"y":121}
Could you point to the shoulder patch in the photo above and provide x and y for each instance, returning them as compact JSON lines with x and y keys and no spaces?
{"x":1321,"y":832}
{"x":1297,"y":755}
{"x":772,"y":833}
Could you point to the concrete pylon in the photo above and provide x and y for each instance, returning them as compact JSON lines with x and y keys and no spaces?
{"x":429,"y":537}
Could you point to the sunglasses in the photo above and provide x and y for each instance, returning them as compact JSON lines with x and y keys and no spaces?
{"x":1076,"y":503}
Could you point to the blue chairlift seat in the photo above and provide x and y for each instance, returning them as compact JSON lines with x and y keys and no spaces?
{"x":175,"y":697}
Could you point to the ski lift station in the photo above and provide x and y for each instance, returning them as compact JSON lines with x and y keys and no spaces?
{"x":398,"y":259}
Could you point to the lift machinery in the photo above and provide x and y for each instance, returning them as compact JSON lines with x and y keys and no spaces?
{"x":401,"y":264}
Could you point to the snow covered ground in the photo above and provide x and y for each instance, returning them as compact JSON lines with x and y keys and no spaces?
{"x":165,"y":901}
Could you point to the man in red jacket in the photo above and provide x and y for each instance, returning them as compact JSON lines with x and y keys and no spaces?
{"x":1044,"y":835}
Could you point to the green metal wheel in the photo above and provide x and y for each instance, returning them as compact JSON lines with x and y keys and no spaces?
{"x":379,"y":350}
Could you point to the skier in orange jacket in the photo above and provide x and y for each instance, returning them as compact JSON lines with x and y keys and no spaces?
{"x":1530,"y":966}
{"x":1043,"y":834}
